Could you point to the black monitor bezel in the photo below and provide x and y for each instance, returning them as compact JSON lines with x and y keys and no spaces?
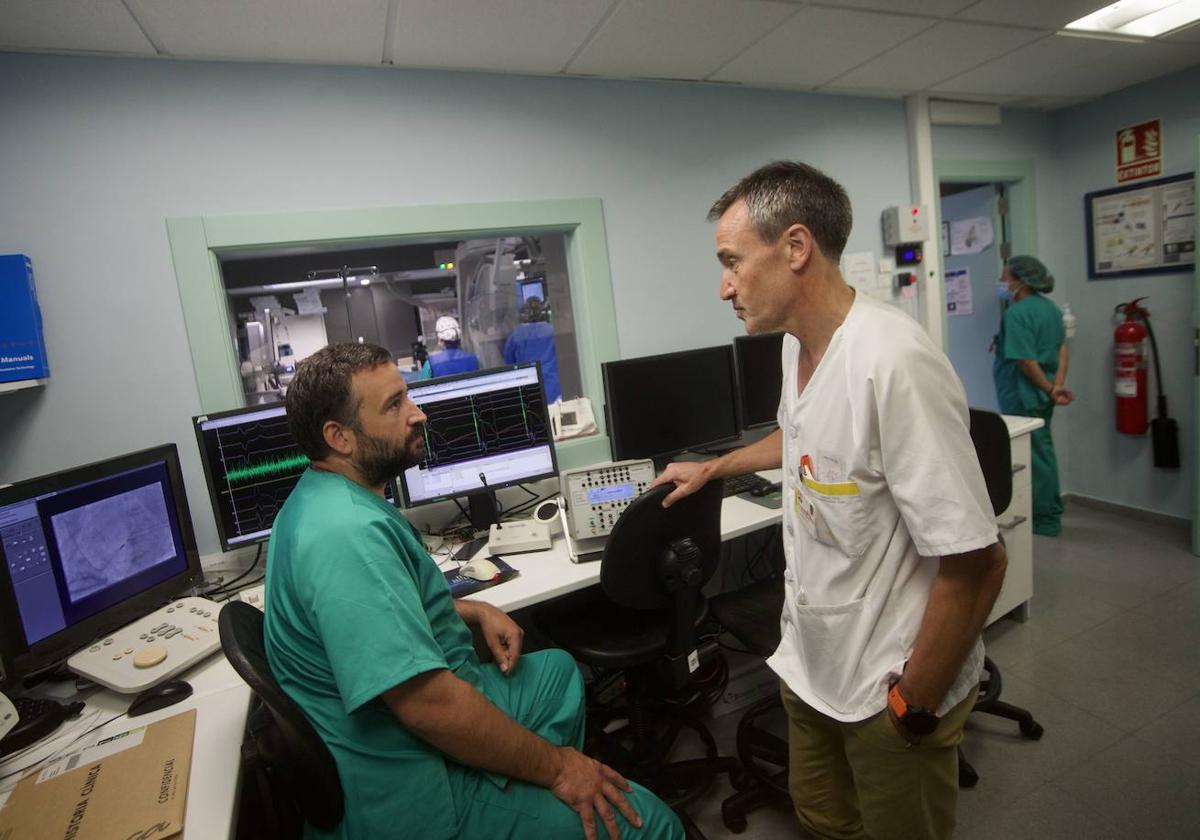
{"x":22,"y":659}
{"x":211,"y":485}
{"x":408,"y":503}
{"x":614,"y":441}
{"x":738,"y":343}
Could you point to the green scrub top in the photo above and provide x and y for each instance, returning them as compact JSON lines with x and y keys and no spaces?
{"x":1031,"y":328}
{"x":356,"y":606}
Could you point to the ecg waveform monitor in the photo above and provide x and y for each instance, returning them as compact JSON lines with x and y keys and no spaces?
{"x":484,"y":430}
{"x":251,"y":463}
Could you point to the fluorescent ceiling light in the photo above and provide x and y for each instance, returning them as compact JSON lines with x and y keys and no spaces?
{"x":1139,"y":18}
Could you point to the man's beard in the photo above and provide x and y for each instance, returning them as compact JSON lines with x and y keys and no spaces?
{"x":379,"y":460}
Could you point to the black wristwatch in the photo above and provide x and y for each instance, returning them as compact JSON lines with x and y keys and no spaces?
{"x":916,"y":719}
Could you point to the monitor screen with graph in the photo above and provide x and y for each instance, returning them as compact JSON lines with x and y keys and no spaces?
{"x":485,"y":430}
{"x":251,"y":463}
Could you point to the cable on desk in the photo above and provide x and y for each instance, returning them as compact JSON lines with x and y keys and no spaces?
{"x":225,"y":587}
{"x":58,"y":752}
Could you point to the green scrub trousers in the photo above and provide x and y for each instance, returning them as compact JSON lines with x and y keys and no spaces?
{"x":1032,"y":329}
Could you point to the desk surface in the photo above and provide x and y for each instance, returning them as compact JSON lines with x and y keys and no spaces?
{"x":549,"y":574}
{"x":221,"y":701}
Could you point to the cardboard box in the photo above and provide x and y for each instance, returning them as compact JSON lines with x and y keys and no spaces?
{"x":129,"y":785}
{"x":22,"y":345}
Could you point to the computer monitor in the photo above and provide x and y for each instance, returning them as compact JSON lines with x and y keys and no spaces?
{"x":760,"y":377}
{"x":532,"y":287}
{"x":658,"y":406}
{"x":88,"y":550}
{"x":251,"y":463}
{"x":485,"y":430}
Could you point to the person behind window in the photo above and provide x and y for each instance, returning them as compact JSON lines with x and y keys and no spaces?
{"x":1030,"y":370}
{"x":451,"y":358}
{"x":361,"y":632}
{"x":533,"y":341}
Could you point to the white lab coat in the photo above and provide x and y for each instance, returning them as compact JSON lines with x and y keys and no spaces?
{"x":880,"y":479}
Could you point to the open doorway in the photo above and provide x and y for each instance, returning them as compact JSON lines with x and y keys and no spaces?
{"x":975,"y":244}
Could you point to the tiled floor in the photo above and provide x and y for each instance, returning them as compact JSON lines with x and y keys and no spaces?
{"x":1109,"y":664}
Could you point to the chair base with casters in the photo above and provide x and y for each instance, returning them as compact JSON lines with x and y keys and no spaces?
{"x":751,"y":615}
{"x":642,"y":621}
{"x":989,"y":702}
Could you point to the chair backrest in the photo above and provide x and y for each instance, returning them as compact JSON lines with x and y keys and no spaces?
{"x":631,"y":572}
{"x":993,"y":447}
{"x":291,"y":748}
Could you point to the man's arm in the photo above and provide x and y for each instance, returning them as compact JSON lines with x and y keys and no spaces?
{"x":690,"y":476}
{"x":1034,"y":373}
{"x":960,"y":599}
{"x":455,"y":718}
{"x":502,"y":635}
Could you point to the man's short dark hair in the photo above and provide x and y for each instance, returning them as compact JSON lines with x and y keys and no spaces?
{"x":321,"y":391}
{"x":785,"y":193}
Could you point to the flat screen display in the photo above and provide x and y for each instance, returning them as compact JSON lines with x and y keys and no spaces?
{"x":661,"y":405}
{"x":760,"y":377}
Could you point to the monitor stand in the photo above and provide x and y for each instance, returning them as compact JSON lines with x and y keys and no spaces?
{"x":482,"y":509}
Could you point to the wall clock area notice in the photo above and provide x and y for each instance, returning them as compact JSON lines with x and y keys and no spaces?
{"x":1147,"y":228}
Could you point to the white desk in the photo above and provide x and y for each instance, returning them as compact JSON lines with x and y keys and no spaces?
{"x":549,"y":574}
{"x":221,"y":701}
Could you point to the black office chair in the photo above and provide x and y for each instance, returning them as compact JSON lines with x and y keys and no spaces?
{"x":642,"y":620}
{"x":993,"y":448}
{"x":284,"y":754}
{"x":751,"y":615}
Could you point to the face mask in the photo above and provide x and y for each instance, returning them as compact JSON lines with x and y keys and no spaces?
{"x":1002,"y":290}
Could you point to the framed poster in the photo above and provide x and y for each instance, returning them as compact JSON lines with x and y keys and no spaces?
{"x":1146,"y":228}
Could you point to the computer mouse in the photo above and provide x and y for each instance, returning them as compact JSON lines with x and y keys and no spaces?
{"x":159,"y":697}
{"x":764,"y":489}
{"x":480,"y":568}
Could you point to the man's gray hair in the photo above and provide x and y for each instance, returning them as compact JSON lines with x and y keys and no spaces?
{"x":785,"y":193}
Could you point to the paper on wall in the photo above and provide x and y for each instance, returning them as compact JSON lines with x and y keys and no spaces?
{"x":859,"y":269}
{"x":958,"y":292}
{"x":971,"y":236}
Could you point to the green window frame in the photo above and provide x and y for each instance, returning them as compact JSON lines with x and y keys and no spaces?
{"x":198,"y":243}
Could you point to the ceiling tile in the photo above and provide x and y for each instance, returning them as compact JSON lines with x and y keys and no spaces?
{"x":514,"y":36}
{"x":666,"y":39}
{"x":1062,"y":66}
{"x":942,"y":52}
{"x":928,"y":8}
{"x":818,"y":45}
{"x":345,"y":32}
{"x":89,"y":25}
{"x":1042,"y":14}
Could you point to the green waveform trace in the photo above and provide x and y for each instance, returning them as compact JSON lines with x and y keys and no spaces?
{"x":274,"y":466}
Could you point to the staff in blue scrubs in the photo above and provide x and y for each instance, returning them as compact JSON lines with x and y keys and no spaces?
{"x":1030,"y":372}
{"x":533,"y":340}
{"x":451,"y":358}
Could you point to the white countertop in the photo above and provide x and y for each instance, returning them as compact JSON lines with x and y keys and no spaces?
{"x":1018,"y":426}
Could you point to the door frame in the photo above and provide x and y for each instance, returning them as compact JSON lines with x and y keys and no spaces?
{"x":1196,"y":370}
{"x":988,"y":171}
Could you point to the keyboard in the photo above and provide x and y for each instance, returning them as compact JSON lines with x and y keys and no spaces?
{"x":152,"y":649}
{"x":735,"y":484}
{"x":37,"y":718}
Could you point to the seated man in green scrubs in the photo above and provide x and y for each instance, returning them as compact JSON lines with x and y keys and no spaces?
{"x":362,"y":633}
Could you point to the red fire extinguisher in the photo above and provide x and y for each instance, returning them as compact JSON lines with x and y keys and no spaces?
{"x":1129,"y":369}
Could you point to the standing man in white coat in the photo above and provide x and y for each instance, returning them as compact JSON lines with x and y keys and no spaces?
{"x":892,"y":557}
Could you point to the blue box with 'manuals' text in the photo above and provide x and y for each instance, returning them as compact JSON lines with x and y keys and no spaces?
{"x":22,"y":345}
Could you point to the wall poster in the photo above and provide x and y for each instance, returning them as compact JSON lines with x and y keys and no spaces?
{"x":1147,"y":228}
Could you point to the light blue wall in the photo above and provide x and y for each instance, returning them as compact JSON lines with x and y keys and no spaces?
{"x":1105,"y":464}
{"x":96,"y":153}
{"x":1074,"y":153}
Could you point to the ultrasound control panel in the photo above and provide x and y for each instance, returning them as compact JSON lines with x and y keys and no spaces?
{"x":596,"y":496}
